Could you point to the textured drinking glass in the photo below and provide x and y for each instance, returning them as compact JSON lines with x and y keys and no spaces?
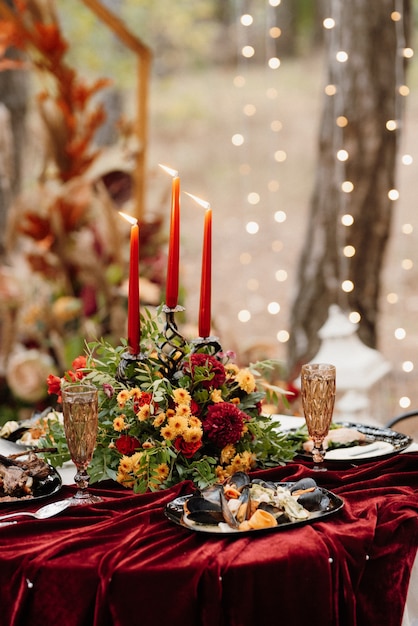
{"x":318,"y":397}
{"x":80,"y":409}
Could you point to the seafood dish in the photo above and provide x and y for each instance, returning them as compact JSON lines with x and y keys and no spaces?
{"x":26,"y":479}
{"x":241,"y":504}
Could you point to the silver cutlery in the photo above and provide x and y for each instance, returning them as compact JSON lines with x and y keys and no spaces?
{"x":49,"y":510}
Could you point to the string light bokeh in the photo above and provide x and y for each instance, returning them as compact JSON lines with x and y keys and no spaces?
{"x":264,"y":196}
{"x":401,"y":308}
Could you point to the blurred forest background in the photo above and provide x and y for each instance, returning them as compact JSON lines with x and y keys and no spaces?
{"x":244,"y":136}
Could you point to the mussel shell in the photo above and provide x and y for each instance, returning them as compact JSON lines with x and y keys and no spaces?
{"x":267,"y":484}
{"x":315,"y":500}
{"x":304,"y":483}
{"x":244,"y":510}
{"x":212,"y":493}
{"x":279,"y":514}
{"x":239,"y":480}
{"x":203,"y":511}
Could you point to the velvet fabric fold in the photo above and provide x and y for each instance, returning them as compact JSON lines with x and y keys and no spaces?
{"x":122,"y":562}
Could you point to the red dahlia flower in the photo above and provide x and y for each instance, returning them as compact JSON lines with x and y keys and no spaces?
{"x":224,"y":423}
{"x":213,"y":366}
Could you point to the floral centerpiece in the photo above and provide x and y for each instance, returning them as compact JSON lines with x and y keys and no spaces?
{"x":202,"y":422}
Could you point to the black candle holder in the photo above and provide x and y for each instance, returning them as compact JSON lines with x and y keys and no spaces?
{"x":209,"y":345}
{"x":174,"y":346}
{"x":127,"y":364}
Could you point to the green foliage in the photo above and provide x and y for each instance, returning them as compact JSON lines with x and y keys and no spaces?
{"x":203,"y":422}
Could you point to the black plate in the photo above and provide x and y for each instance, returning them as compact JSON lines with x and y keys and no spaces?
{"x":174,"y":512}
{"x":399,"y":441}
{"x":42,"y":489}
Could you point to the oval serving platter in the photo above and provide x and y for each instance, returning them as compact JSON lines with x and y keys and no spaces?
{"x":174,"y":511}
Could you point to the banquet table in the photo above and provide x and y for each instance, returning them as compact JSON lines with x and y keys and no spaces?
{"x":122,"y":562}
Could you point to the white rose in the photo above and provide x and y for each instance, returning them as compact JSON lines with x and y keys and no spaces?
{"x":27,"y":372}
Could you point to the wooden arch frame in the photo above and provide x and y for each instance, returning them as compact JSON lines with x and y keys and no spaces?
{"x":144,"y":57}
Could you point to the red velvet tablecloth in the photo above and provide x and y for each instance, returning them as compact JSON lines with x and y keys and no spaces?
{"x":121,"y":562}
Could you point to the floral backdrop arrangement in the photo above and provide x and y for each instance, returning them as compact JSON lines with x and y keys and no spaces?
{"x":203,"y":422}
{"x":64,"y":280}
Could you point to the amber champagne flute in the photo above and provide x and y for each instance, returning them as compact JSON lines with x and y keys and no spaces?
{"x":80,"y":409}
{"x":318,"y":397}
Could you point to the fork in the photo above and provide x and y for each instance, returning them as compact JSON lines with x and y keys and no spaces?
{"x":49,"y":510}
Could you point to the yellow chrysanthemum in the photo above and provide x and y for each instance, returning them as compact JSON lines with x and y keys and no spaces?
{"x":170,"y":413}
{"x":125,"y":479}
{"x":122,"y":397}
{"x":194,"y":421}
{"x":159,"y":420}
{"x":162,"y":471}
{"x":167,"y":432}
{"x":183,"y":410}
{"x":143,"y":413}
{"x":193,"y":434}
{"x":147,"y":445}
{"x":119,"y":423}
{"x":135,"y":393}
{"x":178,"y":424}
{"x":245,"y":380}
{"x":249,"y":459}
{"x":136,"y":460}
{"x":235,"y":400}
{"x":227,"y":453}
{"x":231,"y":369}
{"x":125,"y":464}
{"x":216,"y":396}
{"x":181,"y":396}
{"x":221,"y":474}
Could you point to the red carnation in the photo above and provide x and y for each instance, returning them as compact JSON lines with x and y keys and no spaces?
{"x":187,"y":448}
{"x":214,"y":367}
{"x":79,"y":363}
{"x":224,"y":423}
{"x":54,"y":385}
{"x":142,"y":401}
{"x":127,"y":445}
{"x":195,"y":408}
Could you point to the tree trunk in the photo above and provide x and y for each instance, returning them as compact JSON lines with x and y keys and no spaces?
{"x":367,"y":95}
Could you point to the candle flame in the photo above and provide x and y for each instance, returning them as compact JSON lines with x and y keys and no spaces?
{"x":202,"y":203}
{"x":128,"y":218}
{"x":170,"y":171}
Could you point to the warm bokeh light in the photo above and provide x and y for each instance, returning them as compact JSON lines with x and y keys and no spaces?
{"x":280,"y":216}
{"x":347,"y":220}
{"x":354,"y":317}
{"x":328,"y":23}
{"x":246,"y":20}
{"x":281,"y":276}
{"x":283,"y":336}
{"x":273,"y":308}
{"x":245,"y":258}
{"x":252,"y":228}
{"x":347,"y":286}
{"x":248,"y":52}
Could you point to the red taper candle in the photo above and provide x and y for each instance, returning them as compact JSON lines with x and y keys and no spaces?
{"x":134,"y":328}
{"x":206,"y":280}
{"x":172,"y":285}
